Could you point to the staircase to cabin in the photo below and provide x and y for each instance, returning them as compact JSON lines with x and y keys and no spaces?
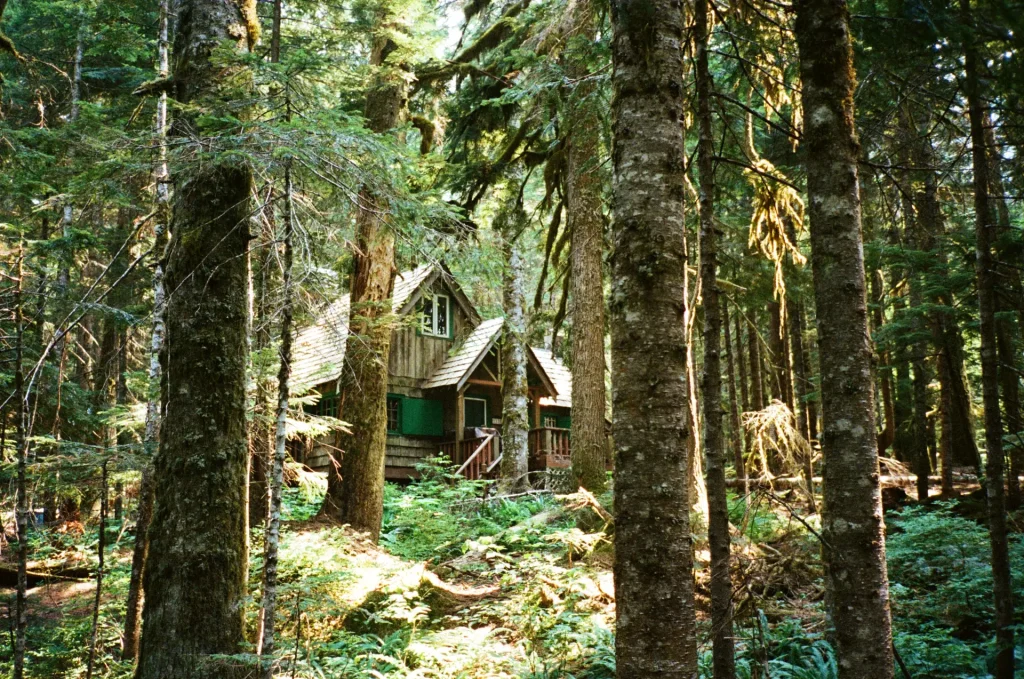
{"x":480,"y":457}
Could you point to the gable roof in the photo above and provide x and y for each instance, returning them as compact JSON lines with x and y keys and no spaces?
{"x":457,"y":368}
{"x":318,"y":353}
{"x":460,"y":366}
{"x":560,"y":377}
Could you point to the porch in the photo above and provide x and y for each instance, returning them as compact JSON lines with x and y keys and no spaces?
{"x":479,"y":456}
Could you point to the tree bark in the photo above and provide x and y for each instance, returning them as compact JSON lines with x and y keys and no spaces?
{"x":270,"y":560}
{"x":985,"y":227}
{"x":722,"y":648}
{"x":801,"y":388}
{"x":656,"y":626}
{"x":151,"y":436}
{"x":356,"y":496}
{"x":21,"y":446}
{"x":887,"y":435}
{"x":782,"y":388}
{"x":586,"y":223}
{"x":1010,"y":301}
{"x":515,"y":427}
{"x":735,"y":428}
{"x":852,"y":528}
{"x":754,"y":352}
{"x":199,"y":527}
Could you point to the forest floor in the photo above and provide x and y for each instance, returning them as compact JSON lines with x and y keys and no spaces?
{"x":464,"y":587}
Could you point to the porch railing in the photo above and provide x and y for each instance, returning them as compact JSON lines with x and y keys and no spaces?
{"x":475,"y":457}
{"x":550,"y":447}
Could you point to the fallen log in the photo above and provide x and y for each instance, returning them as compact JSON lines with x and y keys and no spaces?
{"x":791,"y":482}
{"x":9,"y":576}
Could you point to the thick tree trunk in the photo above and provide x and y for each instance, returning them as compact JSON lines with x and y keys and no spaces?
{"x":515,"y":426}
{"x":356,"y":496}
{"x":852,"y":528}
{"x":656,"y":626}
{"x":722,"y":648}
{"x":985,"y":227}
{"x":586,"y":224}
{"x":198,"y":534}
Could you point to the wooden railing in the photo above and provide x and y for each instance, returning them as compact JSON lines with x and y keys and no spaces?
{"x":476,"y":457}
{"x":549,"y":446}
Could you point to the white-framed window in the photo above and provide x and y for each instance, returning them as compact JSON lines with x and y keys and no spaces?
{"x":476,"y":412}
{"x":436,"y":316}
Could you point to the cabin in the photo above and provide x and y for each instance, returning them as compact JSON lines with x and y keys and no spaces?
{"x":444,"y":382}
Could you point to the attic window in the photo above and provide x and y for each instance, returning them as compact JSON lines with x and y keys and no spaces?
{"x":436,"y":316}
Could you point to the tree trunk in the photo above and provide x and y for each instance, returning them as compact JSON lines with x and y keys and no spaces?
{"x":722,"y":648}
{"x":198,"y":534}
{"x":985,"y":227}
{"x":957,"y":445}
{"x":801,"y":388}
{"x":586,"y":224}
{"x":887,"y":436}
{"x":1010,"y":301}
{"x":736,"y":429}
{"x":515,"y":426}
{"x":356,"y":496}
{"x":782,"y":388}
{"x":151,"y":436}
{"x":754,"y":351}
{"x":270,"y":560}
{"x":852,"y":528}
{"x":656,"y":626}
{"x":21,"y":446}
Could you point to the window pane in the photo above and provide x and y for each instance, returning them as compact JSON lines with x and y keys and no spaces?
{"x":441,"y":327}
{"x":393,"y":421}
{"x":428,"y":315}
{"x":476,"y":412}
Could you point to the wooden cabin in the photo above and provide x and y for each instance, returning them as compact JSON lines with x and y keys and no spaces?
{"x":444,"y":382}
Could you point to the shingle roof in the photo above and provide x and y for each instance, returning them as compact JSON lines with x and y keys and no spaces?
{"x":462,"y":363}
{"x":318,"y":354}
{"x":560,"y":377}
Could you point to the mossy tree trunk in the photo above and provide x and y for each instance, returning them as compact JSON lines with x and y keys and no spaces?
{"x":356,"y":495}
{"x":195,"y":573}
{"x":586,"y":223}
{"x":515,"y":428}
{"x":656,"y":627}
{"x":852,"y":529}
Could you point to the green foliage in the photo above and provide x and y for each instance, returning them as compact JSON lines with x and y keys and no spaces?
{"x":941,"y":586}
{"x":434,"y":517}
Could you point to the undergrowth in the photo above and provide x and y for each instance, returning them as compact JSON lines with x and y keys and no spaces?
{"x":533,"y":592}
